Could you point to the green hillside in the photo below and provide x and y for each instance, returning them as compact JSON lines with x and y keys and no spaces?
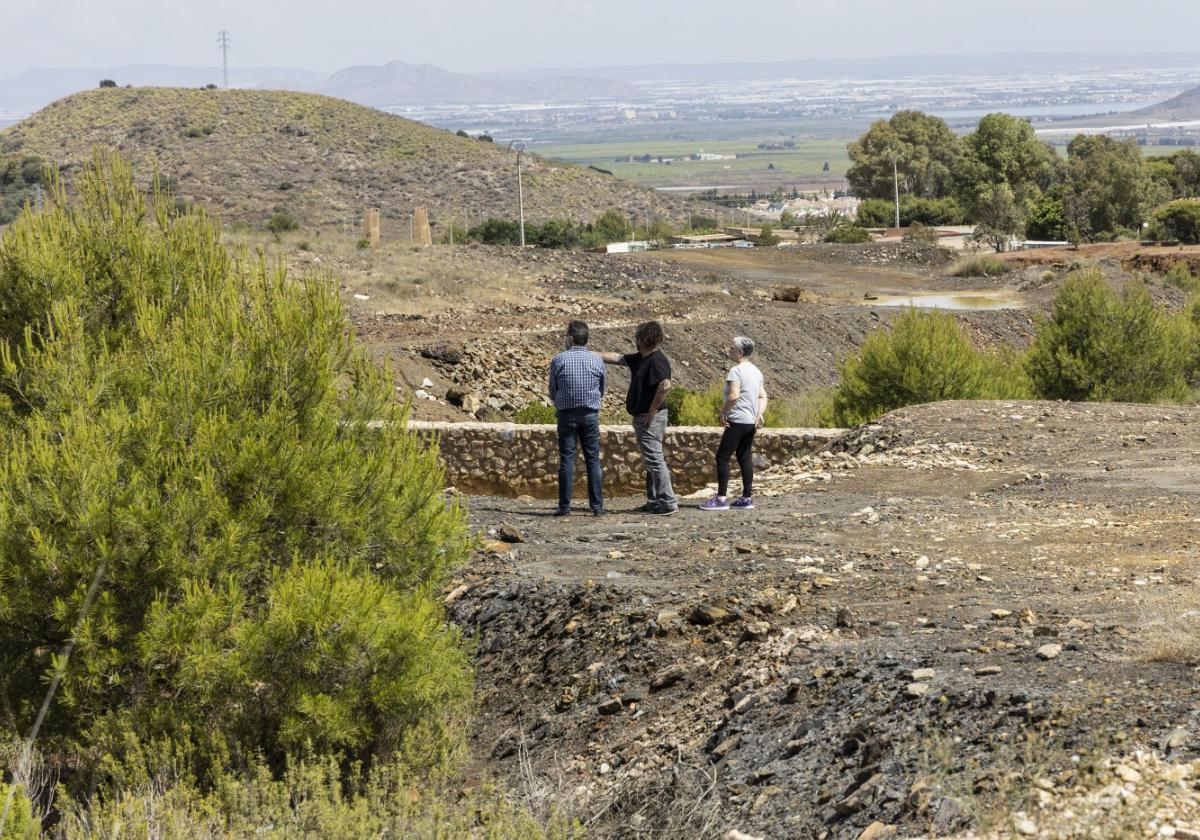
{"x":245,"y":154}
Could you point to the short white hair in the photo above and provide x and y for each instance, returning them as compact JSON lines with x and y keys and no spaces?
{"x":743,"y":344}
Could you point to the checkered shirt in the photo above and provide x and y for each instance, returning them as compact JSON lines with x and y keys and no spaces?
{"x":577,"y":379}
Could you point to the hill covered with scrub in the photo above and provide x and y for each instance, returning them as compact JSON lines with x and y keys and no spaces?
{"x":247,"y":154}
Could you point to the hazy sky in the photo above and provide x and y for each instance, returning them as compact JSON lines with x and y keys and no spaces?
{"x":475,"y":35}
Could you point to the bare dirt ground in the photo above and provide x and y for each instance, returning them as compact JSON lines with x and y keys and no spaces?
{"x":913,"y":628}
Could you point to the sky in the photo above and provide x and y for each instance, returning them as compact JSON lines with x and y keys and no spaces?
{"x":490,"y":35}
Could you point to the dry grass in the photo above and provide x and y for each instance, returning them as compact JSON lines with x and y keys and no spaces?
{"x":680,"y":802}
{"x":1174,"y":641}
{"x":985,"y":266}
{"x":808,"y":410}
{"x":395,"y":277}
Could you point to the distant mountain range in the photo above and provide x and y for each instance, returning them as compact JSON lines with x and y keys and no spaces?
{"x":398,"y":83}
{"x":395,"y":83}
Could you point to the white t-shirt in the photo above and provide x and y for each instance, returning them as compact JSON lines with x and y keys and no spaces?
{"x":750,"y":382}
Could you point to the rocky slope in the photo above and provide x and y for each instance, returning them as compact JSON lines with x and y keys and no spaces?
{"x":947,"y":612}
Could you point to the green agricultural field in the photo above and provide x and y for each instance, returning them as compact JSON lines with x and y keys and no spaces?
{"x":756,"y":167}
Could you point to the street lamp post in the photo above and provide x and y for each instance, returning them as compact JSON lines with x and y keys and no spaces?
{"x":520,"y":189}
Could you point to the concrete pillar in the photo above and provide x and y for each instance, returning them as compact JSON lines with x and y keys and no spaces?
{"x":421,"y":234}
{"x":370,"y":225}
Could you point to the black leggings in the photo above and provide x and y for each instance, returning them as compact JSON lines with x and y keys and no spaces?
{"x":738,"y":437}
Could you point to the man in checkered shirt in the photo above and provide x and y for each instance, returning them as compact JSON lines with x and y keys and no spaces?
{"x":576,"y":388}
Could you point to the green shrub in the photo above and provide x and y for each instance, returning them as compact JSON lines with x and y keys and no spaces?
{"x":687,"y":407}
{"x":848,"y":235}
{"x":809,"y":410}
{"x":201,"y":432}
{"x":18,"y":178}
{"x":312,"y":799}
{"x":1098,"y":345}
{"x":1047,"y":221}
{"x":453,"y":234}
{"x":924,"y":357}
{"x":980,"y":267}
{"x":496,"y":232}
{"x":610,"y":226}
{"x":282,"y":221}
{"x":1186,"y":329}
{"x":557,"y":233}
{"x":919,"y":234}
{"x":1178,"y":220}
{"x":536,"y":414}
{"x":1180,"y":276}
{"x":767,"y":236}
{"x":881,"y":212}
{"x":21,"y":825}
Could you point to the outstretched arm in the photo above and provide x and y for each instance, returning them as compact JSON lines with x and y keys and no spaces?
{"x":612,"y":358}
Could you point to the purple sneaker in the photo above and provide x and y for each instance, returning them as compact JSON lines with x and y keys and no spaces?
{"x":742,"y":503}
{"x":716,"y":503}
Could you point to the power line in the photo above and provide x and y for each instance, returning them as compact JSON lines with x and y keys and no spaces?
{"x":223,"y":41}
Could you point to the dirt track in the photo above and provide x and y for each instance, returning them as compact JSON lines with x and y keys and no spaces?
{"x":773,"y":659}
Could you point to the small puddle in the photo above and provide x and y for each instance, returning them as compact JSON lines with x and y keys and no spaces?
{"x":952,"y":300}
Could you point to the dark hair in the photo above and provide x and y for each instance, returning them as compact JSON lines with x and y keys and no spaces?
{"x":578,"y":331}
{"x":649,"y":334}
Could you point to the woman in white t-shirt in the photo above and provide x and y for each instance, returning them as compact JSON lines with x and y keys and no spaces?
{"x":741,"y":415}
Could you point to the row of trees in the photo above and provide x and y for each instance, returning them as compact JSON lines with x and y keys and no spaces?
{"x":1008,"y":182}
{"x":610,"y":226}
{"x":1096,"y":345}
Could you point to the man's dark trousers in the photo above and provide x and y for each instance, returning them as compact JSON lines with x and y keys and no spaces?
{"x":582,"y":424}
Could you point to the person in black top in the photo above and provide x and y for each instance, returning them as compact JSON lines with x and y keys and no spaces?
{"x":646,"y":402}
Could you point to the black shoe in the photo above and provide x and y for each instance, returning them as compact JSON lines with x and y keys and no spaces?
{"x":561,"y":512}
{"x":599,"y":513}
{"x":649,"y":507}
{"x":665,"y":511}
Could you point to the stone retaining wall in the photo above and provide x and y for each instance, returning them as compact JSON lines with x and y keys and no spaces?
{"x":505,"y":459}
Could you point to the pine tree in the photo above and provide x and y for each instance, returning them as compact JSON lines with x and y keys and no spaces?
{"x":202,"y":430}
